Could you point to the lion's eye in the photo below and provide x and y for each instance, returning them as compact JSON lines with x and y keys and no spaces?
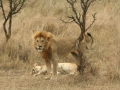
{"x":36,"y":40}
{"x":42,"y":40}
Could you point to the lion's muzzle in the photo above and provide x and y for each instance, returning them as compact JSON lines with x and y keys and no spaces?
{"x":39,"y":48}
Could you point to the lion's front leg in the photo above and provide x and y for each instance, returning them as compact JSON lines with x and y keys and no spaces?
{"x":55,"y":65}
{"x":48,"y":65}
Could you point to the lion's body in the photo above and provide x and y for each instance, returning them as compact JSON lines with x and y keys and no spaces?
{"x":68,"y":68}
{"x":51,"y":49}
{"x":65,"y":46}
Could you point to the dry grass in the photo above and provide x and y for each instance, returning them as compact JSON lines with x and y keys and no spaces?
{"x":20,"y":80}
{"x":15,"y":63}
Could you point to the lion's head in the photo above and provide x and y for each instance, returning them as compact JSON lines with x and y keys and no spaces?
{"x":42,"y":40}
{"x":35,"y":69}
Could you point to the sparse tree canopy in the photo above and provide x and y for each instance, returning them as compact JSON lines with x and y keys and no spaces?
{"x":14,"y":7}
{"x":80,"y":19}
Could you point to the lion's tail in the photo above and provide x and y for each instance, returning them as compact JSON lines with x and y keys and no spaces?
{"x":91,"y":38}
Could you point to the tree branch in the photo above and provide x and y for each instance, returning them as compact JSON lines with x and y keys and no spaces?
{"x":0,"y":3}
{"x":82,"y":4}
{"x":14,"y":7}
{"x":18,"y":6}
{"x":94,"y":18}
{"x":76,"y":19}
{"x":66,"y":21}
{"x":89,"y":3}
{"x":3,"y":11}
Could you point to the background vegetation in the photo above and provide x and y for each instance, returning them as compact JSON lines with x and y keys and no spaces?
{"x":19,"y":55}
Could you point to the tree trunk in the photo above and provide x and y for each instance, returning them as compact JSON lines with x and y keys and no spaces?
{"x":81,"y":53}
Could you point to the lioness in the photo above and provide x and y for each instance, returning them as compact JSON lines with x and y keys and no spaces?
{"x":51,"y":49}
{"x":70,"y":68}
{"x":36,"y":70}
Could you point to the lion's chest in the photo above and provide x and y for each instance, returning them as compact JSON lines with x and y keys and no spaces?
{"x":46,"y":53}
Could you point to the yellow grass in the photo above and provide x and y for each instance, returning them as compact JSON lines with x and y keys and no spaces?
{"x":16,"y":63}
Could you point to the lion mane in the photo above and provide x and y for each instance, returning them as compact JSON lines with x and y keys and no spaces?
{"x":46,"y":53}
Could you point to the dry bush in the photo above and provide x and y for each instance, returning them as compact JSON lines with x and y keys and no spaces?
{"x":50,"y":27}
{"x":54,"y":28}
{"x":16,"y":51}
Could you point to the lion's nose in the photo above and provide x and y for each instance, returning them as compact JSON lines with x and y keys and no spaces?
{"x":39,"y":46}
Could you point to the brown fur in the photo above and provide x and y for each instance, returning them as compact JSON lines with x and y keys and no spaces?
{"x":46,"y":54}
{"x":51,"y":49}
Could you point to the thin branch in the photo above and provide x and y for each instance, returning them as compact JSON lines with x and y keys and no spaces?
{"x":82,"y":4}
{"x":3,"y":11}
{"x":15,"y":5}
{"x":77,"y":20}
{"x":88,"y":4}
{"x":71,"y":2}
{"x":0,"y":3}
{"x":71,"y":17}
{"x":66,"y":21}
{"x":10,"y":18}
{"x":94,"y":18}
{"x":87,"y":1}
{"x":16,"y":9}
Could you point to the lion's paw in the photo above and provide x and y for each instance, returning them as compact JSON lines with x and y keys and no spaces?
{"x":47,"y":78}
{"x":53,"y":78}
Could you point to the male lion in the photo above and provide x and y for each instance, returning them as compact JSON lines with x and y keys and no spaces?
{"x":51,"y":49}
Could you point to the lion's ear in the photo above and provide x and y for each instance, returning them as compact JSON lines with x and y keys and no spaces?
{"x":35,"y":64}
{"x":41,"y":68}
{"x":49,"y":36}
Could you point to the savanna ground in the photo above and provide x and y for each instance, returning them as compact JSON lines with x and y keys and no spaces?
{"x":17,"y":59}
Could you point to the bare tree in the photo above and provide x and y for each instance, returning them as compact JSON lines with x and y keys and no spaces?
{"x":80,"y":19}
{"x":14,"y":7}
